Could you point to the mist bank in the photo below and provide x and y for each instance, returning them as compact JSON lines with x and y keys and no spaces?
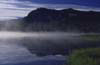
{"x":50,"y":43}
{"x":14,"y":48}
{"x":18,"y":48}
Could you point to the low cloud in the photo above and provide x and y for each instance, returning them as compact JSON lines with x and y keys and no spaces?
{"x":12,"y":9}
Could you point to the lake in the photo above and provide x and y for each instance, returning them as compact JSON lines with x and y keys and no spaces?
{"x":38,"y":48}
{"x":13,"y":52}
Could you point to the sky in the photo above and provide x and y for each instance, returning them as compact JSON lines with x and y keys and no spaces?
{"x":13,"y":9}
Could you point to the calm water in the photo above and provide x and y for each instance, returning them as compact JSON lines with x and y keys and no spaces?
{"x":13,"y":52}
{"x":42,"y":48}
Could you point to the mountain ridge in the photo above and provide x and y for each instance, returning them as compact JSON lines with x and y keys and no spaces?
{"x":65,"y":20}
{"x":43,"y":19}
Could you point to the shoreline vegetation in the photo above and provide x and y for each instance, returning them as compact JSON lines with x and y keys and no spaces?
{"x":88,"y":56}
{"x":93,"y":37}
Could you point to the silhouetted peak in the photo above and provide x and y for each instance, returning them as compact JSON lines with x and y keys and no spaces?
{"x":40,"y":11}
{"x":51,"y":11}
{"x":44,"y":9}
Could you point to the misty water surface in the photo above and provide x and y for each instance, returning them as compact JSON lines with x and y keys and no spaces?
{"x":36,"y":48}
{"x":13,"y":51}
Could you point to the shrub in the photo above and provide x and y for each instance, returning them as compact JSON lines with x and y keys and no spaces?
{"x":89,"y":56}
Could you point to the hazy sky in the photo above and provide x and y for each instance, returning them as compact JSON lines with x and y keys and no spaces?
{"x":10,"y":9}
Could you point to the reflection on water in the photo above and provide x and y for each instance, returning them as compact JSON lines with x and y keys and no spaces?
{"x":42,"y":48}
{"x":13,"y":52}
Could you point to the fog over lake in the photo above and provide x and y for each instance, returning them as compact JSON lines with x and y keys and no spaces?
{"x":24,"y":48}
{"x":13,"y":51}
{"x":46,"y":32}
